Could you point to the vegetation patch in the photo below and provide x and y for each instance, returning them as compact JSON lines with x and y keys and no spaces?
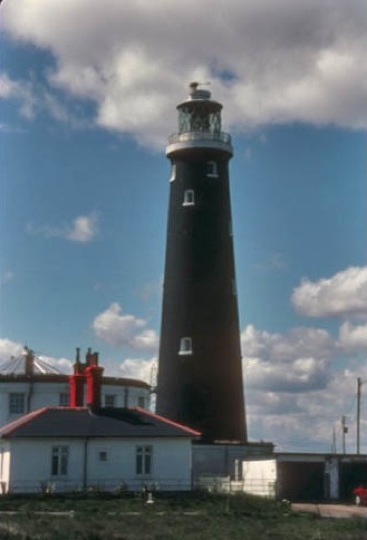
{"x":195,"y":516}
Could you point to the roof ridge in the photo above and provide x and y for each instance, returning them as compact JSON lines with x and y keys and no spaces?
{"x":167,"y":421}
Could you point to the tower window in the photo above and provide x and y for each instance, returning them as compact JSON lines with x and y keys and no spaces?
{"x":189,"y":197}
{"x":185,"y":346}
{"x":212,"y":169}
{"x":173,"y":173}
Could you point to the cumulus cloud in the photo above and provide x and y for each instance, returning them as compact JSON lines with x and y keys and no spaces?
{"x":343,"y":294}
{"x":269,"y":62}
{"x":9,"y":348}
{"x":119,"y":330}
{"x":299,"y":342}
{"x":21,"y":92}
{"x":135,"y":368}
{"x":300,"y":375}
{"x":305,"y":419}
{"x":83,"y":229}
{"x":353,"y":337}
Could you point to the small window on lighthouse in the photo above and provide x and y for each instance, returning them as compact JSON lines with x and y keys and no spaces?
{"x":185,"y":346}
{"x":173,"y":173}
{"x":212,"y":169}
{"x":189,"y":197}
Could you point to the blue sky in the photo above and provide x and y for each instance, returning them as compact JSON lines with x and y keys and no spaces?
{"x":85,"y":113}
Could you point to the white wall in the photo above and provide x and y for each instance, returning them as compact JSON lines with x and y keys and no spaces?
{"x":30,"y":464}
{"x":4,"y":465}
{"x":43,"y":394}
{"x":259,"y":477}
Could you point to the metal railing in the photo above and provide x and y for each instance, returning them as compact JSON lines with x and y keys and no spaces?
{"x":200,"y":136}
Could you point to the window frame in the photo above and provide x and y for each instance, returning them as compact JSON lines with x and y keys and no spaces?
{"x":188,"y":197}
{"x":185,"y":346}
{"x":212,"y":169}
{"x":102,"y":456}
{"x":143,"y":460}
{"x":16,"y":403}
{"x":111,"y":397}
{"x":59,"y":460}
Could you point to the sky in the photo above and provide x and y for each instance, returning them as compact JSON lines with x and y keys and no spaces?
{"x":88,"y":99}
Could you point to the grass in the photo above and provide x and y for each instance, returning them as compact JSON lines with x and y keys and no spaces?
{"x":194,"y":516}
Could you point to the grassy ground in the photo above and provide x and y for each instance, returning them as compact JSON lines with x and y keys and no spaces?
{"x":194,"y":517}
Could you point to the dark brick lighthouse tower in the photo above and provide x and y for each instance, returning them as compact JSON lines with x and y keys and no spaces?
{"x":200,"y":375}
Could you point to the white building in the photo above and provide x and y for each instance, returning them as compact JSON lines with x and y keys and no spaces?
{"x":65,"y":448}
{"x":28,"y":383}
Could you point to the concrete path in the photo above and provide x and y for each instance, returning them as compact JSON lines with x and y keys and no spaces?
{"x":331,"y":510}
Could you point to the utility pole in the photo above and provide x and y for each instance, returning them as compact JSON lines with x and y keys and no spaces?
{"x":359,"y":385}
{"x":344,"y":431}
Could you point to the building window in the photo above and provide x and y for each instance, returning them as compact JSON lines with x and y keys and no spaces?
{"x":110,"y":400}
{"x":141,"y":401}
{"x":212,"y":169}
{"x":16,"y":403}
{"x":102,"y":455}
{"x":185,"y":346}
{"x":144,"y":456}
{"x":59,"y":460}
{"x":64,"y":399}
{"x":173,"y":173}
{"x":189,"y":197}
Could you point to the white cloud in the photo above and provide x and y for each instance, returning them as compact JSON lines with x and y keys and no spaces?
{"x":353,"y":337}
{"x":119,"y":330}
{"x":305,"y":420}
{"x":299,"y":342}
{"x":345,"y":293}
{"x":62,"y":364}
{"x":269,"y":62}
{"x":9,"y":348}
{"x":143,"y":370}
{"x":300,"y":375}
{"x":20,"y":91}
{"x":83,"y":229}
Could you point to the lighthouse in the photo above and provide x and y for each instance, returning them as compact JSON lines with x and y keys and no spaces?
{"x":200,"y":374}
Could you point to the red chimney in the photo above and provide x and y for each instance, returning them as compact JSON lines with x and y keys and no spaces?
{"x":76,"y":387}
{"x":94,"y":379}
